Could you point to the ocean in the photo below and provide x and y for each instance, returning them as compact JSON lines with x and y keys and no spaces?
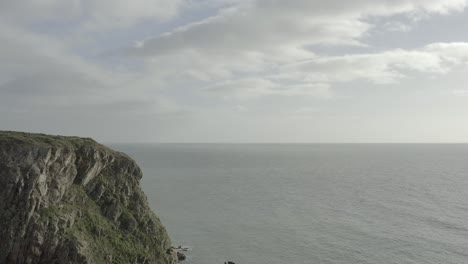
{"x":310,"y":203}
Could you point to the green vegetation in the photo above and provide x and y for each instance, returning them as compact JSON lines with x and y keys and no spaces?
{"x":103,"y":237}
{"x":48,"y":140}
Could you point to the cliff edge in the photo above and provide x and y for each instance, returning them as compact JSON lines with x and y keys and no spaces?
{"x":72,"y":200}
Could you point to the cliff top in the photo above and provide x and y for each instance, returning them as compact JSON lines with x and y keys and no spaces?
{"x":44,"y":139}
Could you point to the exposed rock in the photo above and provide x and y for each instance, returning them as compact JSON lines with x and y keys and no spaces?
{"x":72,"y":200}
{"x":181,"y":256}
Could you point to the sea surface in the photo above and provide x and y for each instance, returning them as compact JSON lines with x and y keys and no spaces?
{"x":310,"y":203}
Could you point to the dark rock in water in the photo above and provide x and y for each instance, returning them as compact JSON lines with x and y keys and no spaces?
{"x":72,"y":200}
{"x":181,"y":248}
{"x":181,"y":256}
{"x":229,"y":262}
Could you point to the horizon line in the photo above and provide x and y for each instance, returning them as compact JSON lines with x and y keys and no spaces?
{"x":291,"y":143}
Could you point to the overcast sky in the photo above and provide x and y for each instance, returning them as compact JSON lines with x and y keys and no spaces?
{"x":236,"y":70}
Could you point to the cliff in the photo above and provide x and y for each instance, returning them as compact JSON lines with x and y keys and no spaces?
{"x":72,"y":200}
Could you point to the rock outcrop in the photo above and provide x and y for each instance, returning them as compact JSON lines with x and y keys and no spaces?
{"x":72,"y":200}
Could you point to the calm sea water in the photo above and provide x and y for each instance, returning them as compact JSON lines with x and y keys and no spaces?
{"x":292,"y":204}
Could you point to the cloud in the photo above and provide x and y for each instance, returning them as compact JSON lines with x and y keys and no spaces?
{"x":454,"y":52}
{"x":316,"y":77}
{"x":251,"y":88}
{"x":379,"y":68}
{"x":261,"y":25}
{"x":248,"y":50}
{"x":40,"y":74}
{"x":111,"y":13}
{"x":273,"y":43}
{"x":460,"y":92}
{"x":254,"y":29}
{"x":29,"y":57}
{"x":89,"y":14}
{"x":396,"y":26}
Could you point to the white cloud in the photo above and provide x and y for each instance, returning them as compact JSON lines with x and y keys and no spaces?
{"x":385,"y":67}
{"x":454,"y":52}
{"x":460,"y":92}
{"x":316,"y":77}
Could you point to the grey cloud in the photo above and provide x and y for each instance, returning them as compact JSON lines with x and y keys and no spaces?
{"x":265,"y":24}
{"x":89,"y":14}
{"x":245,"y":89}
{"x":397,"y":26}
{"x":39,"y":73}
{"x":250,"y":29}
{"x":261,"y":39}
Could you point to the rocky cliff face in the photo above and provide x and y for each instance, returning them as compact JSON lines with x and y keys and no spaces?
{"x":72,"y":200}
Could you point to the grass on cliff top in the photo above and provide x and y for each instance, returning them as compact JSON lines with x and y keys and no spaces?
{"x":44,"y":139}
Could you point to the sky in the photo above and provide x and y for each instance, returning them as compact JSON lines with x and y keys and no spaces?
{"x":236,"y":70}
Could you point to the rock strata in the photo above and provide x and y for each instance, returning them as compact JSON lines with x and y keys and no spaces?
{"x":72,"y":200}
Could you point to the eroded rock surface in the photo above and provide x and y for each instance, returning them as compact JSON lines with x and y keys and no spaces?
{"x":72,"y":200}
